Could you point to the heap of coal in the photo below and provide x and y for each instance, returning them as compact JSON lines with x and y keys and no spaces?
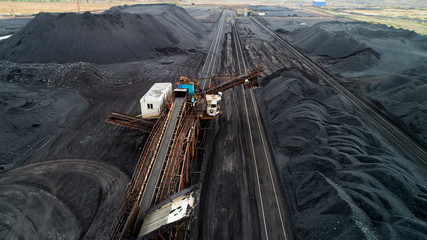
{"x":402,"y":98}
{"x":362,"y":48}
{"x":389,"y":62}
{"x":117,"y":35}
{"x":344,"y":181}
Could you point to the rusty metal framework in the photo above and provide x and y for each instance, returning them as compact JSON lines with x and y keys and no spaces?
{"x":136,"y":183}
{"x":175,"y":169}
{"x":179,"y":232}
{"x":249,"y":80}
{"x":170,"y":155}
{"x":124,"y":219}
{"x":130,"y":121}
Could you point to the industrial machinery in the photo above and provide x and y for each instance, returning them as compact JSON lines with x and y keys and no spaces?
{"x":162,"y":174}
{"x":213,"y":104}
{"x":211,"y":97}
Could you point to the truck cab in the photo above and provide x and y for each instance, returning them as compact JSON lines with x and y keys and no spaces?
{"x":213,"y":104}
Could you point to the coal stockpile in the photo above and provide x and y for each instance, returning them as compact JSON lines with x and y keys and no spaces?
{"x":117,"y":35}
{"x":72,"y":75}
{"x":402,"y":97}
{"x":345,"y":182}
{"x":11,"y":26}
{"x":358,"y":49}
{"x":59,"y":199}
{"x":387,"y":64}
{"x":29,"y":116}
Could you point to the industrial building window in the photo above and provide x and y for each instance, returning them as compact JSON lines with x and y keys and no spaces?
{"x":149,"y":105}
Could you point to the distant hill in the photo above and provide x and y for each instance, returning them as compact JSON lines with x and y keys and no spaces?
{"x":381,"y":3}
{"x":373,"y":3}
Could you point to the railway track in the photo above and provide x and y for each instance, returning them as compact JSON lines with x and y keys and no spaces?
{"x":404,"y":142}
{"x":270,"y":202}
{"x":214,"y":54}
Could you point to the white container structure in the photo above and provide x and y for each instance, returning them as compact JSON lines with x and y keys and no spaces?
{"x":153,"y":101}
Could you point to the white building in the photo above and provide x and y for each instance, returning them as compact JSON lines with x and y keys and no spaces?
{"x":319,"y":3}
{"x":153,"y":101}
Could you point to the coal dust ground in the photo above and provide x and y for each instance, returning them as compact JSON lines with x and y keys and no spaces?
{"x":63,"y":170}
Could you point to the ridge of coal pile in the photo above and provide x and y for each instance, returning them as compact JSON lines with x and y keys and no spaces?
{"x":359,"y":49}
{"x":384,"y":64}
{"x":402,"y":97}
{"x":343,"y":181}
{"x":121,"y":34}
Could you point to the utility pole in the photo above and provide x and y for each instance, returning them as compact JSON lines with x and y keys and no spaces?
{"x":12,"y":13}
{"x":78,"y":6}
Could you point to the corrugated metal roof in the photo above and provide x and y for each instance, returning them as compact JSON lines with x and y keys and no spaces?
{"x":156,"y":92}
{"x":178,"y":207}
{"x":155,"y":220}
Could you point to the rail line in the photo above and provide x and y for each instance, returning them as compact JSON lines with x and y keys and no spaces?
{"x":211,"y":59}
{"x":401,"y":138}
{"x":271,"y":209}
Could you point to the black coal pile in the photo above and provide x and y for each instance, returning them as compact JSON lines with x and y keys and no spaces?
{"x":10,"y":26}
{"x":359,"y":49}
{"x":60,"y":199}
{"x":403,"y":97}
{"x":117,"y":35}
{"x":344,"y":182}
{"x":397,"y":59}
{"x":30,"y":116}
{"x":75,"y":75}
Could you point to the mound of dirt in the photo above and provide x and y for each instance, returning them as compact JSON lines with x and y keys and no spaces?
{"x":362,"y":48}
{"x":121,"y":34}
{"x":345,"y":183}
